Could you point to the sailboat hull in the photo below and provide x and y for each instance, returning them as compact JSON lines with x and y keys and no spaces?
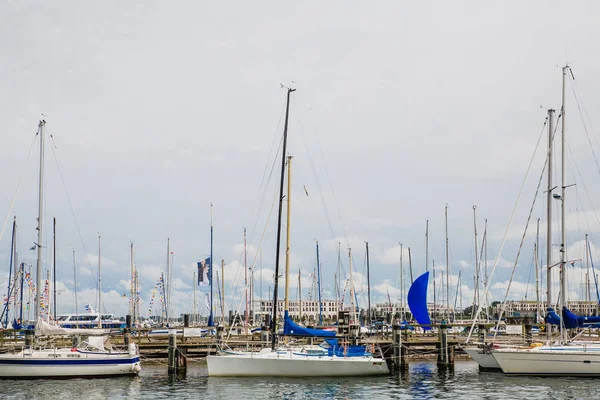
{"x":63,"y":363}
{"x":485,"y":360}
{"x":288,"y":364}
{"x":557,"y":362}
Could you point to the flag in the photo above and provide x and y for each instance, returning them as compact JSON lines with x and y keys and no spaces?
{"x":204,"y":272}
{"x":207,"y":300}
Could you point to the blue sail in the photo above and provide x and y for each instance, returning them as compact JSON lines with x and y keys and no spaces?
{"x":290,"y":328}
{"x":417,"y":300}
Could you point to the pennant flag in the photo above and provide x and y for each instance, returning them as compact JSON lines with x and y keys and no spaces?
{"x":204,"y":272}
{"x":207,"y":299}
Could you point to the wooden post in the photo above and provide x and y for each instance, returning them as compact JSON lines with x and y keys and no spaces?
{"x":443,"y":360}
{"x":528,"y":336}
{"x":172,"y":352}
{"x":482,"y":332}
{"x":127,"y":330}
{"x":404,"y":351}
{"x":397,"y":346}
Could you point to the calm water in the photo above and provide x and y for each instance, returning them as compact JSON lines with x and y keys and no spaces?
{"x":422,"y":382}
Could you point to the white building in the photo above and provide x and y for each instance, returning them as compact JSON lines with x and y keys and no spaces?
{"x":310,"y":309}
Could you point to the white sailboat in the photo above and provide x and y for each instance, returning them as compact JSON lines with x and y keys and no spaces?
{"x":295,"y":361}
{"x":88,"y":359}
{"x":567,"y":358}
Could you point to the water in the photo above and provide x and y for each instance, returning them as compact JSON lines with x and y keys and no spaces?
{"x":422,"y":381}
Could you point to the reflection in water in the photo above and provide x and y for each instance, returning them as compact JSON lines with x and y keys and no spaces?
{"x":422,"y":381}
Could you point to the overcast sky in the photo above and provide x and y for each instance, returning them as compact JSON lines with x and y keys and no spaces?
{"x":159,"y":109}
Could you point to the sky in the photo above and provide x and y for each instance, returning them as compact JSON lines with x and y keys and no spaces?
{"x":159,"y":109}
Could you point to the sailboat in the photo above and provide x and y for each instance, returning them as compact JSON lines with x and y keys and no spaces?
{"x":87,"y":359}
{"x":567,"y":358}
{"x":328,"y":359}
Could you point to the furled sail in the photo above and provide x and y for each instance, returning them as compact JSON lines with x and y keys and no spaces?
{"x":290,"y":328}
{"x":577,"y":321}
{"x":417,"y":300}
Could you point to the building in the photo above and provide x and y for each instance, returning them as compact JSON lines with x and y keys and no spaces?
{"x":527,"y":309}
{"x":310,"y":309}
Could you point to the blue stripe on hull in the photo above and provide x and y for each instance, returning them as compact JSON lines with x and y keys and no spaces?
{"x":67,"y":377}
{"x":55,"y":362}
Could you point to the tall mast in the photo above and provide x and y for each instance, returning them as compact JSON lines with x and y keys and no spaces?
{"x":339,"y":279}
{"x":246,"y":284}
{"x":447,"y":265}
{"x":222,"y":290}
{"x":412,"y":280}
{"x":38,"y":284}
{"x":426,"y":245}
{"x":288,"y":237}
{"x":485,"y":274}
{"x":276,"y":276}
{"x":75,"y":288}
{"x":54,"y":264}
{"x":132,"y":309}
{"x":10,"y":268}
{"x":319,"y":286}
{"x":563,"y":241}
{"x":210,"y":269}
{"x":587,"y":280}
{"x":368,"y":287}
{"x":194,"y":292}
{"x":476,"y":294}
{"x":352,"y":305}
{"x":299,"y":296}
{"x":99,"y":286}
{"x":167,"y":282}
{"x":537,"y":271}
{"x":401,"y":281}
{"x":549,"y":222}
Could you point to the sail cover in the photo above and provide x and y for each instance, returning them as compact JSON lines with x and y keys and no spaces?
{"x":576,"y":321}
{"x":417,"y":300}
{"x":290,"y":328}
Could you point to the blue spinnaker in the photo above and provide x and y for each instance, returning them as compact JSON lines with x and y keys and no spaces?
{"x":417,"y":300}
{"x":290,"y":328}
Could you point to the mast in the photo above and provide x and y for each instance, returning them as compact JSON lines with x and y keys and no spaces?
{"x":299,"y":296}
{"x":53,"y":264}
{"x":537,"y":271}
{"x":167,"y":283}
{"x":276,"y":276}
{"x":194,"y":291}
{"x":10,"y":265}
{"x":476,"y":294}
{"x":210,"y":269}
{"x":563,"y":241}
{"x":412,"y":280}
{"x":222,"y":290}
{"x":38,"y":284}
{"x":549,"y":222}
{"x":133,"y":292}
{"x":99,"y":287}
{"x":485,"y":274}
{"x":319,"y":285}
{"x":21,"y":293}
{"x":588,"y":296}
{"x":352,"y":305}
{"x":426,"y":245}
{"x":402,"y":282}
{"x":339,"y":279}
{"x":447,"y":266}
{"x":368,"y":287}
{"x":288,"y":237}
{"x":75,"y":289}
{"x":245,"y":283}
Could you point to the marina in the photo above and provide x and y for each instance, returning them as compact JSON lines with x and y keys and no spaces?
{"x":350,"y":201}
